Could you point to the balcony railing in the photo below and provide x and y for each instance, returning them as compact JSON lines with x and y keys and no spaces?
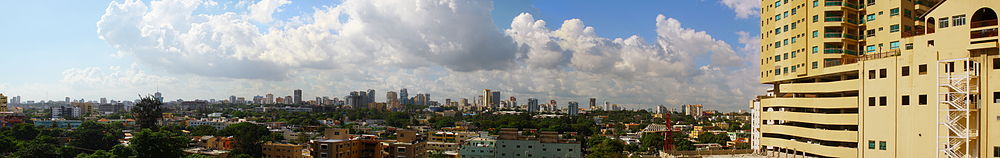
{"x":841,"y":35}
{"x":880,"y":55}
{"x":838,"y":62}
{"x":841,"y":3}
{"x":983,"y":23}
{"x":983,"y":33}
{"x":833,"y":19}
{"x":839,"y":51}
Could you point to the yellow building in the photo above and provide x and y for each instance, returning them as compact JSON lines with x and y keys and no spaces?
{"x":880,"y":78}
{"x":3,"y":103}
{"x":278,"y":150}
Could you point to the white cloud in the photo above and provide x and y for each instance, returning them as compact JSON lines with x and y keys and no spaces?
{"x":743,"y":8}
{"x":449,"y":48}
{"x":262,"y":11}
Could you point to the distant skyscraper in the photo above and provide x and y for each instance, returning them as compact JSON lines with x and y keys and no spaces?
{"x":404,"y":97}
{"x":104,"y":100}
{"x":269,"y":98}
{"x":496,"y":99}
{"x":67,"y":100}
{"x":371,"y":95}
{"x":392,"y":99}
{"x":573,"y":108}
{"x":158,"y":96}
{"x":298,"y":96}
{"x":488,"y":99}
{"x":532,"y":105}
{"x":593,"y":104}
{"x":232,"y":99}
{"x":289,"y":100}
{"x":3,"y":103}
{"x":513,"y":102}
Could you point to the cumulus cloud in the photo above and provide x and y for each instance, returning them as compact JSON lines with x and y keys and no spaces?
{"x":449,"y":48}
{"x":743,"y":8}
{"x":262,"y":11}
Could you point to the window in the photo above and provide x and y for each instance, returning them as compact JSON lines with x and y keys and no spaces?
{"x":816,"y":50}
{"x":793,"y":54}
{"x":815,"y":34}
{"x":894,"y":28}
{"x":777,"y":17}
{"x":996,"y":97}
{"x":996,"y":63}
{"x":777,"y":58}
{"x":883,"y":101}
{"x":777,"y":4}
{"x":904,"y":100}
{"x":785,"y":14}
{"x":942,"y":22}
{"x":871,"y":74}
{"x":871,"y":17}
{"x":893,"y":11}
{"x":922,"y":99}
{"x":996,"y":151}
{"x":793,"y":68}
{"x":785,"y":42}
{"x":922,"y":69}
{"x":785,"y":28}
{"x":870,"y":33}
{"x":777,"y":71}
{"x":815,"y":65}
{"x":905,"y":71}
{"x":784,"y":70}
{"x":871,"y":144}
{"x":882,"y":73}
{"x":894,"y":45}
{"x":871,"y":101}
{"x":815,"y":18}
{"x":909,"y":46}
{"x":794,"y":10}
{"x":793,"y":25}
{"x":958,"y":20}
{"x":785,"y":56}
{"x":815,"y":3}
{"x":870,"y":49}
{"x":793,"y":39}
{"x":882,"y":145}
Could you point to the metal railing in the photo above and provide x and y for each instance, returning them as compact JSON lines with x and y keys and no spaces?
{"x":983,"y":33}
{"x":880,"y":55}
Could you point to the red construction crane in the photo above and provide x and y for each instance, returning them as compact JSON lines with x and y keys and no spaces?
{"x":668,"y":139}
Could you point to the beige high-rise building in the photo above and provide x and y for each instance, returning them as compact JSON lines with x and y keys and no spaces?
{"x":880,"y":78}
{"x":3,"y":103}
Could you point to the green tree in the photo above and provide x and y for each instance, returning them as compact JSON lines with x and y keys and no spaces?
{"x":24,"y":131}
{"x":148,"y":143}
{"x":94,"y":136}
{"x":203,"y":130}
{"x":197,"y":156}
{"x":98,"y":154}
{"x":248,"y":137}
{"x":123,"y":151}
{"x":713,"y":138}
{"x":652,"y":141}
{"x":7,"y":145}
{"x":148,"y":112}
{"x":603,"y":147}
{"x":36,"y":149}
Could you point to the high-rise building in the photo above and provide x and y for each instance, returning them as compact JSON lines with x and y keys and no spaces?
{"x":232,"y":99}
{"x":158,"y":96}
{"x":495,"y":99}
{"x":68,"y":100}
{"x":104,"y":100}
{"x":371,"y":95}
{"x":3,"y":103}
{"x":392,"y":99}
{"x":404,"y":96}
{"x":532,"y":105}
{"x":298,"y":97}
{"x":488,"y":99}
{"x":573,"y":108}
{"x":512,"y":102}
{"x":880,"y":78}
{"x":269,"y":98}
{"x":593,"y":104}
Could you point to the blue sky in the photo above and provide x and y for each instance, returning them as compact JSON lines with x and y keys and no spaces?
{"x":44,"y":43}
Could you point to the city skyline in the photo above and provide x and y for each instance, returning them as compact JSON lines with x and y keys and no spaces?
{"x":666,"y":53}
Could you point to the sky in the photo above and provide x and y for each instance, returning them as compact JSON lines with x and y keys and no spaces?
{"x":638,"y":53}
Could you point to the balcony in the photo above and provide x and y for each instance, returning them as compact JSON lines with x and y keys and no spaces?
{"x":984,"y":23}
{"x":821,"y":134}
{"x":839,"y":51}
{"x":992,"y":32}
{"x":814,"y":148}
{"x":824,"y":87}
{"x":838,"y":62}
{"x":821,"y":87}
{"x":880,"y":55}
{"x":833,"y":19}
{"x":817,"y":118}
{"x":841,"y":3}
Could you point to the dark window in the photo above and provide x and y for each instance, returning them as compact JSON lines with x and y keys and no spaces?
{"x":882,"y":101}
{"x":882,"y":145}
{"x":949,"y":67}
{"x":996,"y":63}
{"x":996,"y":97}
{"x":904,"y":100}
{"x":871,"y":144}
{"x":871,"y":74}
{"x":871,"y":101}
{"x":922,"y":99}
{"x":996,"y":151}
{"x":922,"y":69}
{"x":905,"y":71}
{"x":882,"y":73}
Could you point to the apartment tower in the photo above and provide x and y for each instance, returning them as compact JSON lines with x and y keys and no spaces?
{"x":880,"y":78}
